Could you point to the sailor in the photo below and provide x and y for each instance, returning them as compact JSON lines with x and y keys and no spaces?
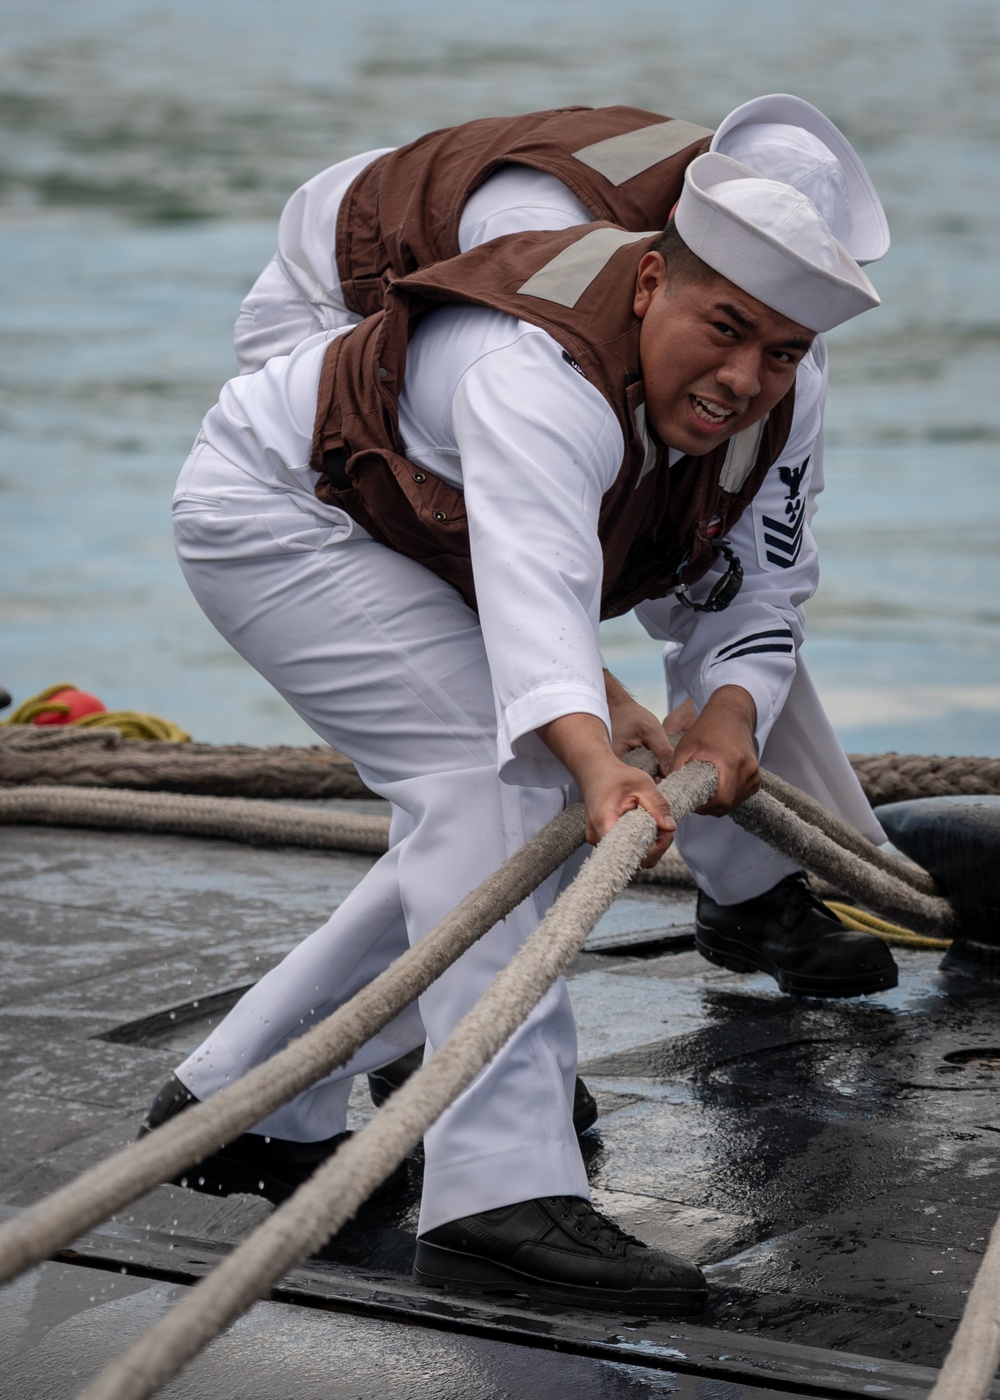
{"x":412,"y":529}
{"x":345,"y":233}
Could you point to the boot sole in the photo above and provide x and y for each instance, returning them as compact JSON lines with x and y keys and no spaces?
{"x":735,"y":957}
{"x":225,"y":1176}
{"x":469,"y":1273}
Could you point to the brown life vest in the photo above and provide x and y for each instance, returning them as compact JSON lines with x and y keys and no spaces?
{"x":656,"y":525}
{"x":402,"y":212}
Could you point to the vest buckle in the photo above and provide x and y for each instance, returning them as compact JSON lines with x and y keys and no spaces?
{"x":724,"y":590}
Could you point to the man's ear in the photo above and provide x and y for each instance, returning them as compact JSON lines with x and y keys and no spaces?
{"x":650,"y":280}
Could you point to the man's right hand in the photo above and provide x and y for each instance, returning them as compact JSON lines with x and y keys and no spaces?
{"x":608,"y":786}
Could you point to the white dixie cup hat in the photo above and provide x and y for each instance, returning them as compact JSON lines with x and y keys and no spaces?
{"x":772,"y":241}
{"x":785,"y":138}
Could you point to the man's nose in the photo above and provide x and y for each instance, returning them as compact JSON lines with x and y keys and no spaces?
{"x":740,"y":372}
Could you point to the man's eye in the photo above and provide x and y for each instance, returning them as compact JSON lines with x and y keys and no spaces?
{"x":725,"y":328}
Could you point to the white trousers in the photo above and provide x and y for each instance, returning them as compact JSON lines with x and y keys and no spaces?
{"x":385,"y":662}
{"x":727,"y":862}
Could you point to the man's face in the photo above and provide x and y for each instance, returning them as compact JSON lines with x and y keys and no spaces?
{"x":714,"y":359}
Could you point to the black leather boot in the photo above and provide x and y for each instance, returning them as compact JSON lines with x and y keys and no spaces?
{"x":385,"y":1081}
{"x":252,"y":1164}
{"x":790,"y":933}
{"x":561,"y":1250}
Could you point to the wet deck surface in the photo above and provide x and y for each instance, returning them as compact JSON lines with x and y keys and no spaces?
{"x":834,"y":1165}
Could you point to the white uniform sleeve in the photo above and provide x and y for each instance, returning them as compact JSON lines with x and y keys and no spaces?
{"x":517,"y":199}
{"x":753,"y":643}
{"x":299,"y":294}
{"x":539,"y":447}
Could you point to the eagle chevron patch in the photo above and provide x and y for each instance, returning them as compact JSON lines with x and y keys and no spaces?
{"x":779,"y":538}
{"x":781,"y":543}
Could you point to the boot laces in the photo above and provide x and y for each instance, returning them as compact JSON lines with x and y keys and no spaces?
{"x":585,"y":1221}
{"x":800,"y":895}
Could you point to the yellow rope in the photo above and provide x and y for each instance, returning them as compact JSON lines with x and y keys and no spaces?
{"x":132,"y":724}
{"x":37,"y":705}
{"x":864,"y":922}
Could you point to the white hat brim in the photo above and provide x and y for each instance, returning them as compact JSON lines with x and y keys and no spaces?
{"x":869,"y":240}
{"x":813,"y":296}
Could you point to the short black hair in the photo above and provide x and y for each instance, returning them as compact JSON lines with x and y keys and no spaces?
{"x":682,"y":264}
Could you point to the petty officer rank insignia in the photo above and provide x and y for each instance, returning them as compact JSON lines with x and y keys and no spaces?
{"x":779,"y":538}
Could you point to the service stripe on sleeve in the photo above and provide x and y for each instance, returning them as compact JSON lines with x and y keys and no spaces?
{"x":782,"y":633}
{"x":785,"y":648}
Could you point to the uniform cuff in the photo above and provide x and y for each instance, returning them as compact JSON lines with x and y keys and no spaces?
{"x":767,"y":696}
{"x":524,"y":760}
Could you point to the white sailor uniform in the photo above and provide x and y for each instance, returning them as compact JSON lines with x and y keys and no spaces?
{"x":299,"y":294}
{"x":439,"y":707}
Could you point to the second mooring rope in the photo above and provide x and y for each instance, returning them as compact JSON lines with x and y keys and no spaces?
{"x":885,"y":892}
{"x":816,"y":815}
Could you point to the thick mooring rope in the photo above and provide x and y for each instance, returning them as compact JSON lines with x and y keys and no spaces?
{"x":334,"y":1193}
{"x":103,"y":758}
{"x":180,"y":814}
{"x":271,"y":823}
{"x":892,"y":888}
{"x":816,"y":815}
{"x":40,"y":1229}
{"x":899,"y":777}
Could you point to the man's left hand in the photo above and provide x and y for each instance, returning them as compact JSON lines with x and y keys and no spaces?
{"x":633,"y":726}
{"x":723,"y":734}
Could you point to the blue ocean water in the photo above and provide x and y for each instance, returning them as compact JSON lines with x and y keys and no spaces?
{"x":148,"y":148}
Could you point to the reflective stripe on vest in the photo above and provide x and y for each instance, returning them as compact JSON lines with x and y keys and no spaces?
{"x":621,"y":158}
{"x":565,"y":279}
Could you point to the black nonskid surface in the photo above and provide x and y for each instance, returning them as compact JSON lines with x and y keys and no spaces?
{"x":833,"y":1166}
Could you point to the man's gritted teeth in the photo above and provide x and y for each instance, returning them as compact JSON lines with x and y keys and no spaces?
{"x":708,"y":411}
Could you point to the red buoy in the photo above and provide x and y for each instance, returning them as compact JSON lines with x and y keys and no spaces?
{"x":78,"y":704}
